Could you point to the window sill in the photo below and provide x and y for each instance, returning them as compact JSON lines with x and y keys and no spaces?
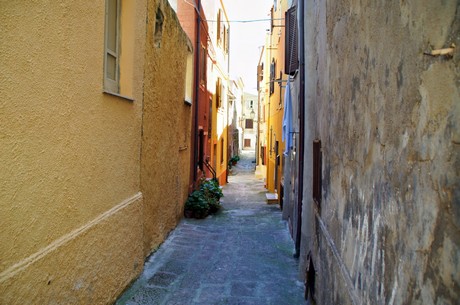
{"x":127,"y":98}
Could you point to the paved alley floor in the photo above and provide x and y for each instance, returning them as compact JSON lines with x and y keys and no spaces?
{"x":242,"y":255}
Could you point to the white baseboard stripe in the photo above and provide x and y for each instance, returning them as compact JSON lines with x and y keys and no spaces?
{"x":344,"y":271}
{"x":21,"y":265}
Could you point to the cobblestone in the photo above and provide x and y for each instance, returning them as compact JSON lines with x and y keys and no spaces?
{"x":242,"y":255}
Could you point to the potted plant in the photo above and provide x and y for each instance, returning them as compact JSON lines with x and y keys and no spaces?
{"x":196,"y":205}
{"x":204,"y":201}
{"x":212,"y":194}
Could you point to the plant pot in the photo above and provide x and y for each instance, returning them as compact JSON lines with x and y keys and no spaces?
{"x":188,"y":214}
{"x":201,"y":215}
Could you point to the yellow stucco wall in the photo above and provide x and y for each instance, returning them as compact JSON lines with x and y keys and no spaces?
{"x":275,"y":50}
{"x":71,"y":209}
{"x":167,"y":124}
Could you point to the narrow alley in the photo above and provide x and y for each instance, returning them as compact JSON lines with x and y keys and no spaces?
{"x":242,"y":255}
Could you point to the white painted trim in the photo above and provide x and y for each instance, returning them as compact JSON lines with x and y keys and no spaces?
{"x":23,"y":264}
{"x":355,"y":299}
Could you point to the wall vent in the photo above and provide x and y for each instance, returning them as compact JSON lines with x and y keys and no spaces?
{"x":317,"y":173}
{"x":158,"y":33}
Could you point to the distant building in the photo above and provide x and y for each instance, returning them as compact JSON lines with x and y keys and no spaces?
{"x":235,"y":117}
{"x":272,"y":101}
{"x":262,"y":136}
{"x":249,"y":121}
{"x":211,"y":87}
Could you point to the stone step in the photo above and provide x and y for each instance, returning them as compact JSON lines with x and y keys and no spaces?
{"x":272,"y":198}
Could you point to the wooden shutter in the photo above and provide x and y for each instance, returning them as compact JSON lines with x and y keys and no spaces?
{"x":218,"y":25}
{"x":291,"y":59}
{"x":272,"y":76}
{"x":218,"y":92}
{"x":249,"y":124}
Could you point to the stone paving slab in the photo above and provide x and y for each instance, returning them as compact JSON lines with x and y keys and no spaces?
{"x":242,"y":255}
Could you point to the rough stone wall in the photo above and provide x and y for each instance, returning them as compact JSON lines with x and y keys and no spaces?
{"x":388,"y":118}
{"x":165,"y":157}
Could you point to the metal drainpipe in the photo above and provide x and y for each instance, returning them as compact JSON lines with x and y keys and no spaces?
{"x":197,"y":85}
{"x":302,"y":124}
{"x":228,"y":88}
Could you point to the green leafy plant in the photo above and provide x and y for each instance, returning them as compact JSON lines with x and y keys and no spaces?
{"x":204,"y":200}
{"x":234,"y":159}
{"x":196,"y":205}
{"x":212,"y":194}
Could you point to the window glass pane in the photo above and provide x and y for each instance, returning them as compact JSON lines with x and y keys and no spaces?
{"x":111,"y":67}
{"x":112,"y":25}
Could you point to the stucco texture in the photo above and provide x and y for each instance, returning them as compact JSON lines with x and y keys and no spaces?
{"x":166,"y":126}
{"x":69,"y":194}
{"x":274,"y":47}
{"x":388,"y":118}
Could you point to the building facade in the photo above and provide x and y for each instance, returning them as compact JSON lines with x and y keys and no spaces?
{"x":377,"y":173}
{"x":261,"y":155}
{"x":194,"y":23}
{"x":211,"y":85}
{"x":235,"y":117}
{"x":249,"y":121}
{"x":87,"y":140}
{"x":218,"y":82}
{"x":275,"y":83}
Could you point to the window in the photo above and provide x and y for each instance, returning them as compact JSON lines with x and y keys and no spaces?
{"x":218,"y":26}
{"x":263,"y":154}
{"x":159,"y":19}
{"x":203,"y":57}
{"x":201,"y":149}
{"x":188,"y":95}
{"x":112,"y":46}
{"x":247,"y":142}
{"x":218,"y":92}
{"x":260,"y":75}
{"x":260,"y":72}
{"x":210,"y":119}
{"x":272,"y":25}
{"x":291,"y":60}
{"x":119,"y":47}
{"x":272,"y":76}
{"x":249,"y":124}
{"x":225,"y":39}
{"x":317,"y":172}
{"x":222,"y":151}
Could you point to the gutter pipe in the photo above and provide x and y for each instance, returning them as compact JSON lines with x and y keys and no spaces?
{"x":301,"y":123}
{"x":197,"y":85}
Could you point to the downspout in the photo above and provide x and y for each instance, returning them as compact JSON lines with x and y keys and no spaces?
{"x":228,"y":88}
{"x":197,"y":85}
{"x":301,"y":123}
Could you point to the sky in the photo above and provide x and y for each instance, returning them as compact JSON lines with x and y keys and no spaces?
{"x":246,"y":39}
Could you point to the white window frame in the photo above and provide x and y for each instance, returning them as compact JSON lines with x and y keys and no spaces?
{"x":112,"y":85}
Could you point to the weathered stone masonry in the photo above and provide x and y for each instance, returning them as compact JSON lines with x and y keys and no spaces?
{"x":388,"y":119}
